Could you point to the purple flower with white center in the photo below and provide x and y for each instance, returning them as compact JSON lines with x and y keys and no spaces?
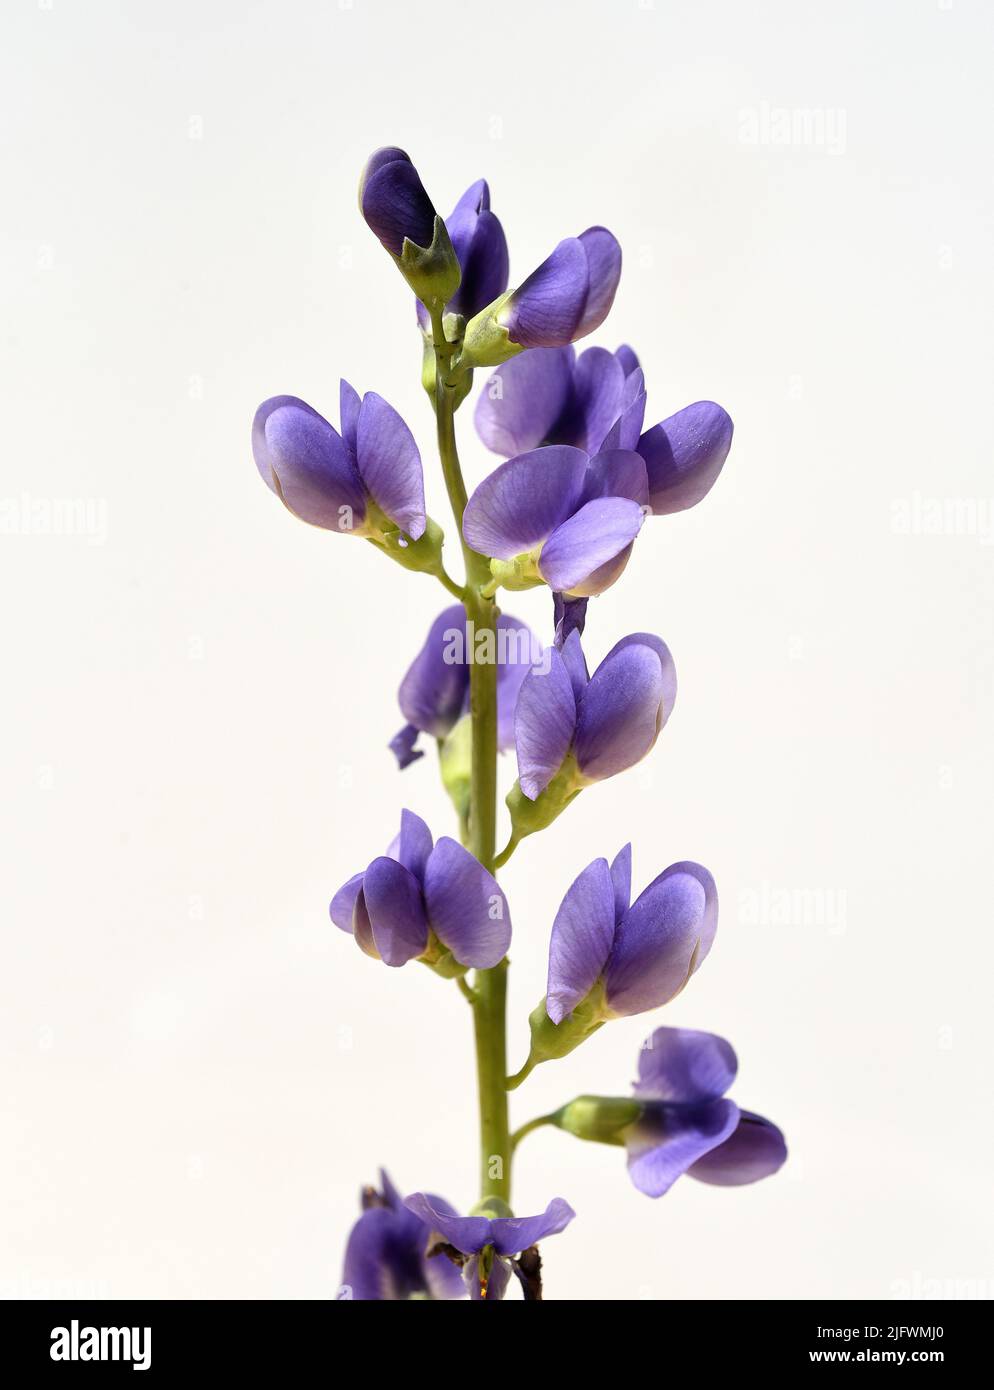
{"x":490,"y":1243}
{"x":562,"y":300}
{"x":434,"y":694}
{"x":608,"y":722}
{"x":597,"y":402}
{"x":679,"y":1120}
{"x":359,"y":481}
{"x":639,"y":954}
{"x":481,"y":249}
{"x":559,"y":517}
{"x":420,"y":901}
{"x":387,"y":1257}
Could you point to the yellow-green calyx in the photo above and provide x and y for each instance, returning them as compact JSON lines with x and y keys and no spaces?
{"x":431,"y":271}
{"x":599,"y":1119}
{"x":487,"y":342}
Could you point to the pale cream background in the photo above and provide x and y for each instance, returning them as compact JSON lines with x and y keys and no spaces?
{"x":198,"y":1071}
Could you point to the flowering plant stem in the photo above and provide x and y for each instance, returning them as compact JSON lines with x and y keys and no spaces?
{"x":490,"y":988}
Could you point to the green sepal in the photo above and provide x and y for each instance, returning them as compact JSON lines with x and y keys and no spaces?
{"x":431,"y":271}
{"x":518,"y":574}
{"x":486,"y":342}
{"x":553,"y":1040}
{"x":599,"y":1119}
{"x":529,"y":816}
{"x":455,"y":761}
{"x":492,"y":1207}
{"x":424,"y":555}
{"x":440,"y":959}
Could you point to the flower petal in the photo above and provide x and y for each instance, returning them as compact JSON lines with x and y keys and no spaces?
{"x":512,"y":1234}
{"x":625,"y":432}
{"x":668,"y":1139}
{"x":349,"y":404}
{"x":433,"y":692}
{"x":306,"y":463}
{"x":546,"y":310}
{"x":662,"y":939}
{"x":544,"y":721}
{"x":393,"y":200}
{"x":343,"y":903}
{"x":684,"y":455}
{"x":569,"y":615}
{"x":396,"y":912}
{"x":467,"y":1233}
{"x":755,"y":1149}
{"x":621,"y":877}
{"x":523,"y":501}
{"x":592,"y":537}
{"x":390,"y":464}
{"x":467,"y":910}
{"x":481,"y":249}
{"x":628,"y":359}
{"x":582,"y":934}
{"x":618,"y":719}
{"x":518,"y":649}
{"x":523,"y":399}
{"x":685,"y":1067}
{"x":666,"y":665}
{"x":604,"y":271}
{"x":598,"y":386}
{"x":377,"y":1263}
{"x":413,"y":844}
{"x":575,"y":662}
{"x":617,"y":473}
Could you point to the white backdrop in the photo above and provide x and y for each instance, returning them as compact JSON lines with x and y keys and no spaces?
{"x":198,"y":1070}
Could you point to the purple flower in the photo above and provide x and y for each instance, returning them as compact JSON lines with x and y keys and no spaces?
{"x":358,"y":481}
{"x":434,"y":695}
{"x":597,"y":402}
{"x":559,"y":517}
{"x":565,"y":298}
{"x":481,"y":249}
{"x":491,"y":1242}
{"x":387,"y":1253}
{"x":435,"y":903}
{"x":686,"y":1126}
{"x":639,"y":954}
{"x":608,"y":722}
{"x":394,"y":203}
{"x":678,"y":1120}
{"x":393,"y":200}
{"x":568,"y":295}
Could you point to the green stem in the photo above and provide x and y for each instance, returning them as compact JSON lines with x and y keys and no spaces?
{"x":519,"y":1134}
{"x":513,"y":1082}
{"x":490,"y":989}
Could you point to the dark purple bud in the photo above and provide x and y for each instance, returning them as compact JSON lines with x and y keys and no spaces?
{"x":393,"y":201}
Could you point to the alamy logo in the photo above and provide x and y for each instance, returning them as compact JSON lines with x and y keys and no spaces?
{"x":75,"y":1343}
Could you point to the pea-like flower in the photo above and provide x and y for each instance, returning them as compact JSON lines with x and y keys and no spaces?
{"x":603,"y":723}
{"x":434,"y":694}
{"x":396,"y":207}
{"x":562,"y":300}
{"x":640,"y":954}
{"x":481,"y":249}
{"x":557,"y":516}
{"x":364,"y":481}
{"x":597,"y":402}
{"x":679,"y":1120}
{"x":419,"y":901}
{"x":610,"y":957}
{"x":388,"y":1257}
{"x":493,"y":1246}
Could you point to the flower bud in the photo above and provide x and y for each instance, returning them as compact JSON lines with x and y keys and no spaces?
{"x":396,"y":207}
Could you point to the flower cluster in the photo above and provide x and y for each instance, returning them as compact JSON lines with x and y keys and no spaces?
{"x":580,"y":476}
